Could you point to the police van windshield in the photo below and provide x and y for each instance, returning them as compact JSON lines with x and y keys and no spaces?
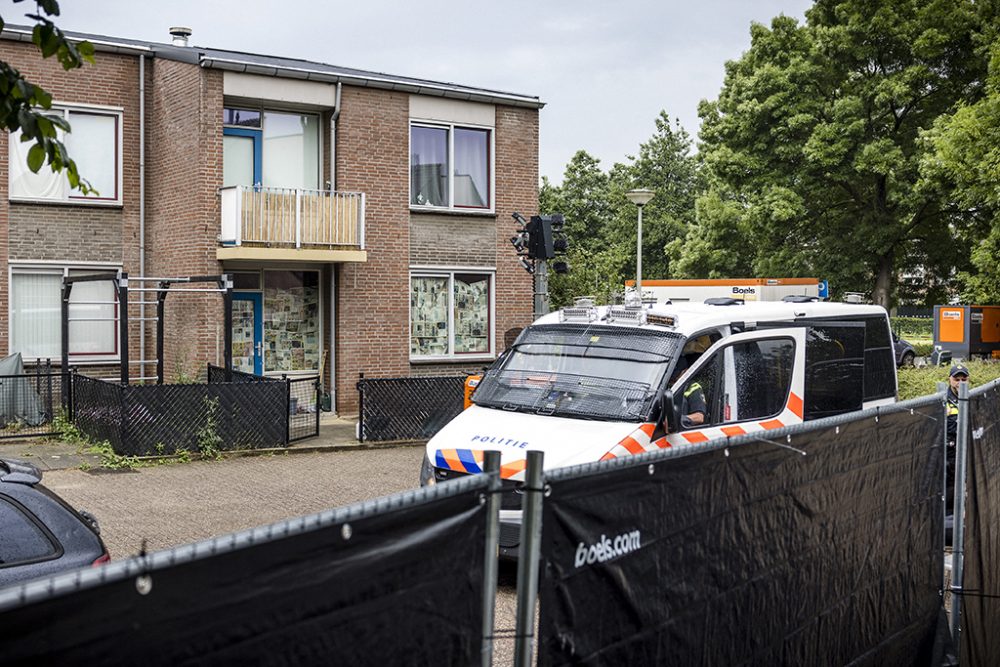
{"x":581,"y":371}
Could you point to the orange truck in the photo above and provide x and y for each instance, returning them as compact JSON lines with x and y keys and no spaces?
{"x":744,"y":289}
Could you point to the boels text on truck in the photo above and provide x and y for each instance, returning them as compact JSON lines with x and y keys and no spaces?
{"x":744,"y":289}
{"x":592,"y":383}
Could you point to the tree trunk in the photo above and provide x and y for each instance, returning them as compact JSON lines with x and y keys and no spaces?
{"x":883,"y":281}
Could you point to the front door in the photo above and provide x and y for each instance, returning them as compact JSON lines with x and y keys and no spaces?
{"x":248,"y":339}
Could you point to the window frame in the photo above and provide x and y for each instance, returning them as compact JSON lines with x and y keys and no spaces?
{"x":30,"y":518}
{"x":450,"y":127}
{"x":256,"y":132}
{"x":63,"y":269}
{"x":70,"y":198}
{"x":449,"y":273}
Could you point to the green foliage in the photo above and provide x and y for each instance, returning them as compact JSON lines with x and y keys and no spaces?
{"x":23,"y":104}
{"x":813,"y":146}
{"x":601,"y":222}
{"x":915,"y":382}
{"x":912,"y":328}
{"x":109,"y":458}
{"x":66,"y":430}
{"x":209,"y":440}
{"x":965,"y":164}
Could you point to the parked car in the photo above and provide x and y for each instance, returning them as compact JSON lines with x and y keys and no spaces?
{"x":903,"y":350}
{"x":40,"y":534}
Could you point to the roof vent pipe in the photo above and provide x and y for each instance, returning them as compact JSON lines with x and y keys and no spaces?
{"x":180,"y":35}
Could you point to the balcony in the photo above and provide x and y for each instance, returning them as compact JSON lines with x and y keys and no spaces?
{"x":284,"y":224}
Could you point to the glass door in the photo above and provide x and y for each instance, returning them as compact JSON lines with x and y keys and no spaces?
{"x":241,"y":157}
{"x":248,"y":339}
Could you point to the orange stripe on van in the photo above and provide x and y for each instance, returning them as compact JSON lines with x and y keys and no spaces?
{"x":632,"y":446}
{"x":696,"y":436}
{"x":648,"y":429}
{"x":608,"y":457}
{"x":773,"y":423}
{"x":733,"y":430}
{"x":795,"y":404}
{"x":451,"y":458}
{"x":508,"y":470}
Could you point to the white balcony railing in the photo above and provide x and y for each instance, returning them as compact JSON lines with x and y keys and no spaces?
{"x":289,"y":218}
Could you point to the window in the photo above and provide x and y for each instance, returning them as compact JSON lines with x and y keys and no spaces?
{"x":763,"y":377}
{"x":36,"y":315}
{"x":880,"y":360}
{"x":271,"y":148}
{"x":451,"y":314}
{"x":835,"y":359}
{"x":94,"y":143}
{"x":23,"y":539}
{"x":741,"y":382}
{"x":451,"y":167}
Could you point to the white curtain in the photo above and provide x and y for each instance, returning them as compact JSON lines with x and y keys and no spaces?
{"x":290,"y":151}
{"x":93,"y":145}
{"x":36,"y":324}
{"x":26,"y":185}
{"x":472,"y":150}
{"x":35,"y":310}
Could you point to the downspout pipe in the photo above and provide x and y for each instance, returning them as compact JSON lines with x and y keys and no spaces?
{"x":142,"y":207}
{"x":332,"y":386}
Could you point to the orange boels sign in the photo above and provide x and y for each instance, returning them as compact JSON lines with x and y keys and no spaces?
{"x":951,"y":325}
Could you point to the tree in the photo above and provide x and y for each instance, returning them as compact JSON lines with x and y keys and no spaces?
{"x":601,"y":222}
{"x":814,"y":151}
{"x":965,"y":165}
{"x":23,"y":104}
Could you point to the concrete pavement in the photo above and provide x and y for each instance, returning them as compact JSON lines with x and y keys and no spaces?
{"x":335,"y":434}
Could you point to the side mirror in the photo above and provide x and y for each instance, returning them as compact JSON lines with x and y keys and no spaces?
{"x":668,"y":412}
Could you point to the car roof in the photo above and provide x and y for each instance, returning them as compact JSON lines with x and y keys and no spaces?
{"x":691,"y":317}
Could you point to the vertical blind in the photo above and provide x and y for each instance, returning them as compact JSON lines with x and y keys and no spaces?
{"x":35,"y":316}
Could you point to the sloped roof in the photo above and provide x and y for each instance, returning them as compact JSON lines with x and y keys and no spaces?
{"x":292,"y":68}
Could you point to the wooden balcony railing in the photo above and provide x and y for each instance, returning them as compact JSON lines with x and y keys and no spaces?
{"x":289,"y":218}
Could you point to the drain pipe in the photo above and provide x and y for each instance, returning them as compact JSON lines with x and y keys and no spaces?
{"x":142,"y":209}
{"x":332,"y":387}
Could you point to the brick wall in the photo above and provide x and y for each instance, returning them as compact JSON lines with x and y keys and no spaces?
{"x":517,"y":190}
{"x":452,"y":240}
{"x":373,"y":298}
{"x":74,"y":233}
{"x":184,"y":171}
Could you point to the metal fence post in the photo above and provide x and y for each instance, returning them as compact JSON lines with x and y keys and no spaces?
{"x":319,"y":397}
{"x":288,"y":409}
{"x":361,"y":407}
{"x":958,"y":523}
{"x":491,"y":466}
{"x":528,"y":560}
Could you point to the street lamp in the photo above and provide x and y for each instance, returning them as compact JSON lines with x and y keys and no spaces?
{"x":640,"y":198}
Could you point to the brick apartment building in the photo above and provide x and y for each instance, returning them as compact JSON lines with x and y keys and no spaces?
{"x":364,"y":217}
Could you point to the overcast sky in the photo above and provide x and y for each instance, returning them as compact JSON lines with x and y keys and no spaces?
{"x":604,"y":69}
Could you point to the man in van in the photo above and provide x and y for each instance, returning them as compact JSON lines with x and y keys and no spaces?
{"x":694,"y":408}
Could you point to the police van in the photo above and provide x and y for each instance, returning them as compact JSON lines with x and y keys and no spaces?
{"x":591,"y":383}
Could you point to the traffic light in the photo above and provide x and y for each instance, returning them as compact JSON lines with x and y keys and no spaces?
{"x":540,"y":238}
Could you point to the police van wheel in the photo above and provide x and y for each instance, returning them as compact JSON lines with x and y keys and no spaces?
{"x":907,"y":359}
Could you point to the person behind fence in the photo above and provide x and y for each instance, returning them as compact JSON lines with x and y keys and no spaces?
{"x":956,"y":377}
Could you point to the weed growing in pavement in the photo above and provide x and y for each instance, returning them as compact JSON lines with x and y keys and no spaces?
{"x":209,"y":440}
{"x":109,"y":458}
{"x":66,"y":430}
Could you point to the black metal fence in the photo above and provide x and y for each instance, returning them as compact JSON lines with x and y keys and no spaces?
{"x":28,"y":402}
{"x":146,"y":420}
{"x":412,"y":408}
{"x":302,"y":399}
